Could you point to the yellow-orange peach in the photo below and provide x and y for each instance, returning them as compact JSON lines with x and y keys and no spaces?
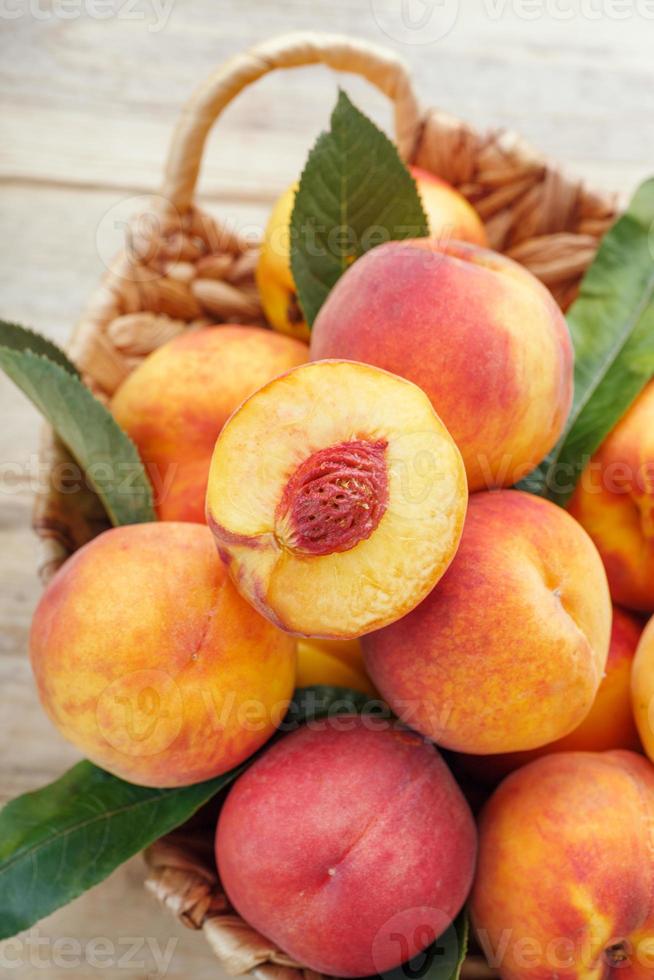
{"x":448,"y":213}
{"x":614,"y":500}
{"x":508,"y":652}
{"x":477,"y":332}
{"x":609,"y":724}
{"x":565,"y":879}
{"x":273,"y":274}
{"x":642,"y":688}
{"x":337,"y":498}
{"x":333,"y":662}
{"x":176,"y":402}
{"x":151,"y":663}
{"x":350,"y":847}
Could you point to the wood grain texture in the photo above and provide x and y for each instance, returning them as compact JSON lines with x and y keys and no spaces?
{"x":87,"y":109}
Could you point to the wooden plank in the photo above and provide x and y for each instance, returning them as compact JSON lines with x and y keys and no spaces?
{"x":115,"y":931}
{"x":256,"y":164}
{"x":61,"y":239}
{"x":104,"y":123}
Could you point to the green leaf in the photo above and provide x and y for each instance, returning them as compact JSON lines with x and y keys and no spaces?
{"x":354,"y":193}
{"x":443,"y":960}
{"x":612,"y":328}
{"x":62,"y":839}
{"x":20,"y":338}
{"x":107,"y":456}
{"x":68,"y":836}
{"x":324,"y":701}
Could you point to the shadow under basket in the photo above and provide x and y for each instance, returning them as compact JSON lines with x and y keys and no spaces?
{"x":183,"y":268}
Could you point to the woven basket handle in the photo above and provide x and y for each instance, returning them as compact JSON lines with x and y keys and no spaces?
{"x":381,"y":67}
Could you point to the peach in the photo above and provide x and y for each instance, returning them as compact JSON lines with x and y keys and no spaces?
{"x":642,"y":686}
{"x":176,"y":402}
{"x":150,"y":662}
{"x":350,"y":847}
{"x":337,"y":498}
{"x":565,"y":880}
{"x":448,"y":213}
{"x":508,"y":652}
{"x":273,"y":274}
{"x":477,"y":332}
{"x":609,"y":724}
{"x":614,"y":500}
{"x":322,"y":662}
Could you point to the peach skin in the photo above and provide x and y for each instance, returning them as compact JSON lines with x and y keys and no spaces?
{"x":149,"y":661}
{"x":324,"y":662}
{"x":565,"y":881}
{"x":609,"y":724}
{"x":508,"y":652}
{"x":614,"y":500}
{"x":176,"y":402}
{"x":337,"y":498}
{"x":274,"y":278}
{"x":350,"y":847}
{"x":477,"y":332}
{"x":642,"y":688}
{"x":448,"y":213}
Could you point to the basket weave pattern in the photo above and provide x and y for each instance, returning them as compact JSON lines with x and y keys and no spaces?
{"x":185,"y":269}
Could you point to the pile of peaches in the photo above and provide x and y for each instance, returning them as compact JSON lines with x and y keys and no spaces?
{"x":341,"y":513}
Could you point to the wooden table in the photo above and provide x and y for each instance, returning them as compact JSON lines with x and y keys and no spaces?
{"x":88,"y":105}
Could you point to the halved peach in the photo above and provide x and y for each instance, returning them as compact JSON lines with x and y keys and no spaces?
{"x":337,"y":498}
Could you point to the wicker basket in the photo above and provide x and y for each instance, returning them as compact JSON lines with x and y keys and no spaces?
{"x":186,"y":268}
